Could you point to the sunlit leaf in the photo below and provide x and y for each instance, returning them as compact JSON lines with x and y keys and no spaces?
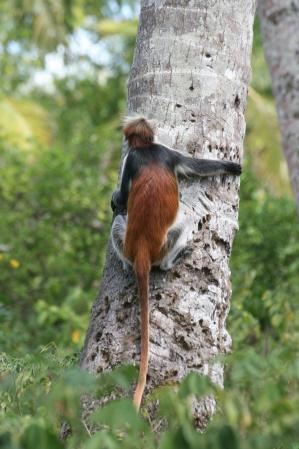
{"x":111,"y":27}
{"x":24,"y":123}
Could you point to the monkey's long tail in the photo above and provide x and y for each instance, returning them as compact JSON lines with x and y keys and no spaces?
{"x":142,"y":270}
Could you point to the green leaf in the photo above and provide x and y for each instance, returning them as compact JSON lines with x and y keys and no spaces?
{"x":108,"y":27}
{"x":119,"y":414}
{"x":174,"y":440}
{"x":6,"y":442}
{"x":228,"y":438}
{"x":122,"y":376}
{"x":102,"y":440}
{"x":24,"y":123}
{"x":195,"y":384}
{"x":38,"y":437}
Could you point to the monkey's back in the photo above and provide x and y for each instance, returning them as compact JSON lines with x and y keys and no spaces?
{"x":152,"y":208}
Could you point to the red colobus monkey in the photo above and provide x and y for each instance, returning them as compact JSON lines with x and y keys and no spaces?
{"x":146,"y":230}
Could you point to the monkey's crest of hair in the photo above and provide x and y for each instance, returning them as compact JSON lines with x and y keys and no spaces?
{"x":138,"y":131}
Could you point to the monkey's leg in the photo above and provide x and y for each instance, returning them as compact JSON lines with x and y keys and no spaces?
{"x":118,"y":235}
{"x":175,"y":248}
{"x":176,"y":245}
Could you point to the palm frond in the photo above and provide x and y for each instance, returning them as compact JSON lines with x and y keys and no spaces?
{"x":24,"y":123}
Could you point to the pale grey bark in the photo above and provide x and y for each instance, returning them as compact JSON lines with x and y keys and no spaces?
{"x":190,"y":74}
{"x":280,"y":29}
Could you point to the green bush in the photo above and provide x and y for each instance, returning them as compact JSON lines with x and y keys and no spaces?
{"x":54,"y":225}
{"x":53,"y":206}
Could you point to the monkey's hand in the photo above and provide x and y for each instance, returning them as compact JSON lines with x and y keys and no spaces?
{"x":233,"y":168}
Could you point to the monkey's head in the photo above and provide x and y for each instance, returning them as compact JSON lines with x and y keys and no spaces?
{"x":138,"y":132}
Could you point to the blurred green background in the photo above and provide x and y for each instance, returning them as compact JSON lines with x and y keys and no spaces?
{"x":64,"y":66}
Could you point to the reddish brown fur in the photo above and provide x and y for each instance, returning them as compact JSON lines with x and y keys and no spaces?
{"x":138,"y":132}
{"x":152,"y":208}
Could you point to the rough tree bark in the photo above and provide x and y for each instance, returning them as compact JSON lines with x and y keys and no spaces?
{"x":190,"y":74}
{"x":280,"y":29}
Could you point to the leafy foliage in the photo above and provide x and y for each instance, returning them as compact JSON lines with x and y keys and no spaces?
{"x":24,"y":123}
{"x":53,"y":205}
{"x":54,"y":199}
{"x":259,"y":406}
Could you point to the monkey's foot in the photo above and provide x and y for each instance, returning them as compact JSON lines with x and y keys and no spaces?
{"x":185,"y":252}
{"x":182,"y":253}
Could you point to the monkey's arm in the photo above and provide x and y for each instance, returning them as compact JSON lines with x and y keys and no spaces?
{"x":120,"y":196}
{"x":204,"y":167}
{"x":117,"y":205}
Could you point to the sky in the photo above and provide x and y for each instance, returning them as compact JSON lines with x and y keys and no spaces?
{"x":81,"y":44}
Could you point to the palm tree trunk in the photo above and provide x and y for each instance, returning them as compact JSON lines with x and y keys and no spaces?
{"x":280,"y":30}
{"x":190,"y":74}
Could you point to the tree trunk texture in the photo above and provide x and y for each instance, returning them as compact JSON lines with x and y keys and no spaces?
{"x":280,"y":29}
{"x":190,"y":74}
